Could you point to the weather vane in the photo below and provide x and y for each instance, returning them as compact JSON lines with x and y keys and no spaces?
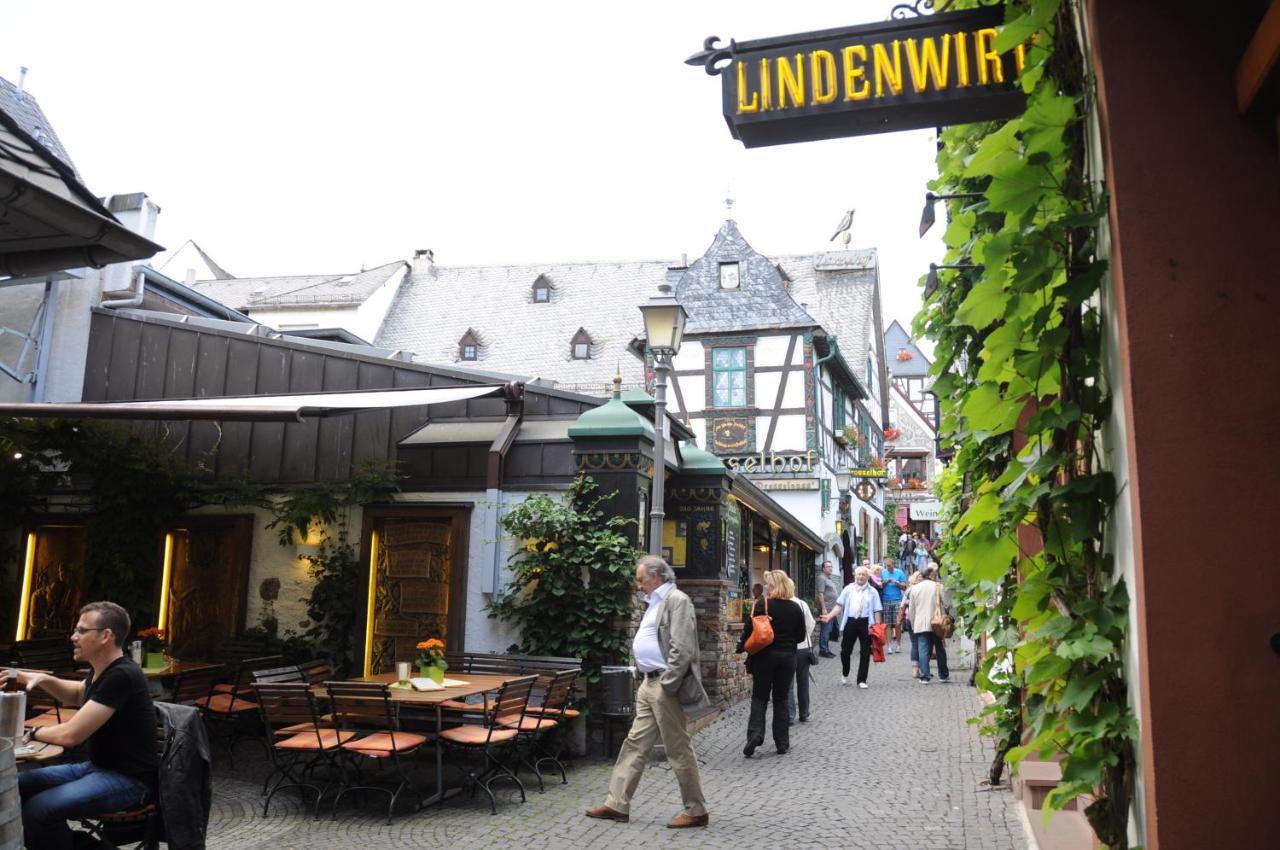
{"x":843,"y":229}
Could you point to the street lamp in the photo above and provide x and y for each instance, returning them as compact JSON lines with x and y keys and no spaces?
{"x":664,"y":320}
{"x":844,"y":481}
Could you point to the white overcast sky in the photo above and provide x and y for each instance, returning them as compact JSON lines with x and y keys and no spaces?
{"x":293,"y":138}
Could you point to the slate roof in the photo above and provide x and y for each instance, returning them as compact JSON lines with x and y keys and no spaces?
{"x":23,"y":108}
{"x":839,"y":290}
{"x":896,"y":339}
{"x":437,"y":304}
{"x":761,"y":301}
{"x":282,"y":293}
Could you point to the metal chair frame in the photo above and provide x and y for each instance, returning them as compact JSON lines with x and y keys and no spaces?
{"x":507,"y":707}
{"x":366,"y":707}
{"x":289,"y":704}
{"x":106,"y":827}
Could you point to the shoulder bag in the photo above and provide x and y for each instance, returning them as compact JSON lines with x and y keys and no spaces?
{"x":761,"y":631}
{"x":942,"y":623}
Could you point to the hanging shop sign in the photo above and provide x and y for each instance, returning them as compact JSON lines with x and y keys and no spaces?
{"x":928,"y":71}
{"x":925,"y":510}
{"x":864,"y":490}
{"x":870,"y":472}
{"x":773,"y":462}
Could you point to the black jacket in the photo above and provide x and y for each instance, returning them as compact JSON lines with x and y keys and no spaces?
{"x":185,"y":786}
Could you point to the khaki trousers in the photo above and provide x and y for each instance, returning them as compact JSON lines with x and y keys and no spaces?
{"x":656,"y":714}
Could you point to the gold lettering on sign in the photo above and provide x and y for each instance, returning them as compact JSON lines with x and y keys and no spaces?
{"x":989,"y":65}
{"x":855,"y":72}
{"x":766,"y":87}
{"x":823,"y":73}
{"x":790,"y":81}
{"x":929,"y":61}
{"x":886,"y":72}
{"x":744,"y":105}
{"x":962,"y":60}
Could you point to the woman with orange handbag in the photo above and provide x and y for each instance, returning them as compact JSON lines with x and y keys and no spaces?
{"x":772,"y":662}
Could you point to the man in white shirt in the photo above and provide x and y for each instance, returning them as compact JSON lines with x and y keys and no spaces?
{"x":666,"y":655}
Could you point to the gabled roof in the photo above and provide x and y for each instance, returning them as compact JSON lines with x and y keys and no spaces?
{"x":290,"y":292}
{"x":896,"y":340}
{"x":191,"y":257}
{"x":23,"y":109}
{"x":839,"y":290}
{"x":760,"y":302}
{"x":437,"y":304}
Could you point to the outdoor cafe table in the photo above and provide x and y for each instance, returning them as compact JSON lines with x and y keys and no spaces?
{"x":173,"y":667}
{"x":476,"y":683}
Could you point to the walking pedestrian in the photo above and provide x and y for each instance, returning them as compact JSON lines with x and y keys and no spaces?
{"x":894,"y":581}
{"x":828,"y":590}
{"x":858,"y":605}
{"x":773,"y":667}
{"x":908,"y":553}
{"x":926,"y":598}
{"x":666,"y":654}
{"x":798,"y":700}
{"x":904,"y":614}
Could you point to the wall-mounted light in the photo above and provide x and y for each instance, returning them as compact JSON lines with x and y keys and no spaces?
{"x":166,"y":574}
{"x":371,"y":604}
{"x":309,"y":543}
{"x":926,"y":217}
{"x":24,"y":607}
{"x":931,"y":282}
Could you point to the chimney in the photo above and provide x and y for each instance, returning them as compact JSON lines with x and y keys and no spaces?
{"x":22,"y":80}
{"x":424,"y":261}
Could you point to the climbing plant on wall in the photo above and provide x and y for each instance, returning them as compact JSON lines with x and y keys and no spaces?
{"x":572,"y":580}
{"x":1021,"y":388}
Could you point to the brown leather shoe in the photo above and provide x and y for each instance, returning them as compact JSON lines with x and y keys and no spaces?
{"x":606,"y":813}
{"x":684,"y":821}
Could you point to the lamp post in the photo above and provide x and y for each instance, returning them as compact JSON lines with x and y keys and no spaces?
{"x":664,"y":320}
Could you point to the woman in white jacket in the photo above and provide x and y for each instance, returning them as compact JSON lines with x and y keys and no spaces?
{"x":804,"y":657}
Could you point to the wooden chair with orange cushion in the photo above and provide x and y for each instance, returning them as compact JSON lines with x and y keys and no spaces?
{"x":493,"y":744}
{"x":365,"y":709}
{"x":546,"y":742}
{"x":297,"y":741}
{"x":142,"y":826}
{"x":241,"y":683}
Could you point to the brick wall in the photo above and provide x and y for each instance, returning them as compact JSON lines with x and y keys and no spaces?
{"x":723,"y":673}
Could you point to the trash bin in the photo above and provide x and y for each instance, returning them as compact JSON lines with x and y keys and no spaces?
{"x":619,"y":691}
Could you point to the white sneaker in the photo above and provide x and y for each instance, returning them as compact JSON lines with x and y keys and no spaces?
{"x":862,"y":685}
{"x":844,"y":680}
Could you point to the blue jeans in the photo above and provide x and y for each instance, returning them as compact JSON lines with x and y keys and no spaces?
{"x":52,"y":795}
{"x":925,"y":642}
{"x":824,"y":636}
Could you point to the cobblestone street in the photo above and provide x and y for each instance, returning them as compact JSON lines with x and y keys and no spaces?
{"x":893,"y":766}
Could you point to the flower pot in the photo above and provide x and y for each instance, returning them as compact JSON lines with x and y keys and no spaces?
{"x":432,"y":672}
{"x":156,"y":659}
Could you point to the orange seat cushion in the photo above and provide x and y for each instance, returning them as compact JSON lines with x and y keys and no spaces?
{"x":327,"y":740}
{"x":527,"y":724}
{"x":475,"y":736}
{"x":226,"y":704}
{"x":325,"y":721}
{"x":381,"y":744}
{"x":133,"y":814}
{"x":227,"y":687}
{"x":569,"y":713}
{"x":459,"y":705}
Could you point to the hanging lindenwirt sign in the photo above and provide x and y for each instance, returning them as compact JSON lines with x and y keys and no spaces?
{"x":930,"y":71}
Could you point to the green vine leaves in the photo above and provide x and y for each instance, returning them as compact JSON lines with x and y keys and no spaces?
{"x":572,"y":579}
{"x":1018,"y":375}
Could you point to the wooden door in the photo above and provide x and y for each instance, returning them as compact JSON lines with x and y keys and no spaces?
{"x":208,"y":583}
{"x":417,"y":560}
{"x":57,"y":586}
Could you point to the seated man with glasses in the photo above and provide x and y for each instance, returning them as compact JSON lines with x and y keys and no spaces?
{"x":116,"y":717}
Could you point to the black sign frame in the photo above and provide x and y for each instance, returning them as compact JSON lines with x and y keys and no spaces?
{"x":762,"y":75}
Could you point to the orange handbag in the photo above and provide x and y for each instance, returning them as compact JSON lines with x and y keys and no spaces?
{"x":761,"y":631}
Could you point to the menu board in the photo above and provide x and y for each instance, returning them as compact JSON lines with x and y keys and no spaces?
{"x":732,"y":528}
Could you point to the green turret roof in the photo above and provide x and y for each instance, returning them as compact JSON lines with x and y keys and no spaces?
{"x":612,"y":419}
{"x":694,"y":459}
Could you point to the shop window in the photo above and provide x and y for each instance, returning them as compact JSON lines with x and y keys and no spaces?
{"x":729,"y":377}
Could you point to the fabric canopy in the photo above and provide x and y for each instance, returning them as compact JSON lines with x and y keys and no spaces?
{"x":256,"y":408}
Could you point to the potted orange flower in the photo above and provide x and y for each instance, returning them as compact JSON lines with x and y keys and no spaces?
{"x":153,"y":644}
{"x":431,"y":663}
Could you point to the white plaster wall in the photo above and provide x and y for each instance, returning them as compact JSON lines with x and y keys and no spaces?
{"x":790,"y":434}
{"x":793,"y":395}
{"x":767,"y":388}
{"x":691,"y":356}
{"x":804,"y":505}
{"x":333,"y":317}
{"x":373,"y":312}
{"x":771,"y":350}
{"x":691,"y":391}
{"x":65,"y":378}
{"x":699,"y":427}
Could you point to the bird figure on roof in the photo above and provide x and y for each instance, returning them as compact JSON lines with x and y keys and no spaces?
{"x":845,"y":224}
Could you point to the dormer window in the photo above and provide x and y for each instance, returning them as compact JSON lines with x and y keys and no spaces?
{"x":729,"y":276}
{"x":542,"y":290}
{"x":580,"y":347}
{"x":469,"y":346}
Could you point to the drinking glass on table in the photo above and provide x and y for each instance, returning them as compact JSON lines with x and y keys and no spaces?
{"x":402,"y":670}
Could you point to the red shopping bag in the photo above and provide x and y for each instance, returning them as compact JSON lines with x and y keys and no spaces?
{"x":877,"y":642}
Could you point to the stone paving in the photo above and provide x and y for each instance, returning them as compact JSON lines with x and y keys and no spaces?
{"x":893,"y":766}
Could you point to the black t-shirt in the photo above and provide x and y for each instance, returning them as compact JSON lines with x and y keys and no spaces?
{"x":126,"y":743}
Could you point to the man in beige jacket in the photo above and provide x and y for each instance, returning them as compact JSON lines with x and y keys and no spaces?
{"x":666,"y":656}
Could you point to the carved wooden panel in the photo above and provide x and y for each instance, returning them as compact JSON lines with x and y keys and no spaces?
{"x":413,"y":562}
{"x":57,"y":581}
{"x":207,"y":584}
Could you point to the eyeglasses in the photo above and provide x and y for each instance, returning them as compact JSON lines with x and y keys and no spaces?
{"x":79,"y":632}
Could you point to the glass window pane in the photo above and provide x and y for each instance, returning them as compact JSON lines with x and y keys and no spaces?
{"x":739,"y":358}
{"x":719,"y":358}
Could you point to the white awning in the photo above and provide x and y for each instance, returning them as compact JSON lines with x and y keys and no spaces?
{"x":445,"y":433}
{"x":255,"y":408}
